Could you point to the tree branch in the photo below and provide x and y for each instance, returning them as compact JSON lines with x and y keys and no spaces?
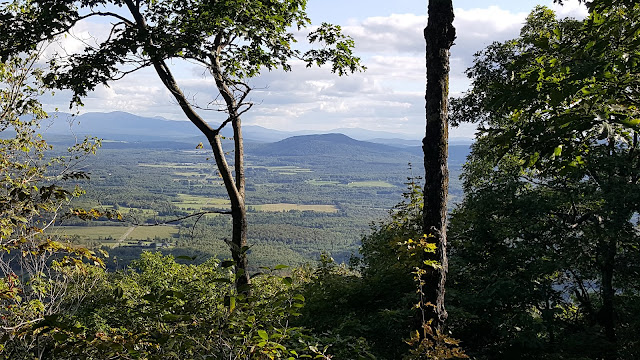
{"x":227,"y":212}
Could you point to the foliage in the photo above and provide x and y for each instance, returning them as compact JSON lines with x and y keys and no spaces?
{"x":159,"y":309}
{"x":255,"y":35}
{"x":40,"y":274}
{"x":430,"y":343}
{"x":546,"y":239}
{"x":378,"y":302}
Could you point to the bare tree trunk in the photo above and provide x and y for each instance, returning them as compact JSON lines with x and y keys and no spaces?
{"x":607,"y":314}
{"x":238,"y":241}
{"x":235,"y":189}
{"x":439,"y":36}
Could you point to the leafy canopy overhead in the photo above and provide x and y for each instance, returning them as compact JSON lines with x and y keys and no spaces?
{"x":560,"y":90}
{"x":246,"y":36}
{"x":546,"y":238}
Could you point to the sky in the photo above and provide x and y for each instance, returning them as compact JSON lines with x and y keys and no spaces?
{"x":389,"y":96}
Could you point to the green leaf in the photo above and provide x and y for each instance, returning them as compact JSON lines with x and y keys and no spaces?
{"x":171,"y":317}
{"x":230,"y":302}
{"x":60,"y":336}
{"x":227,"y":264}
{"x":263,"y":335}
{"x":557,"y":151}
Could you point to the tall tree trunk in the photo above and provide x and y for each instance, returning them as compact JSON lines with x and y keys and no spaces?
{"x":235,"y":189}
{"x":439,"y":36}
{"x":235,"y":192}
{"x":607,"y":314}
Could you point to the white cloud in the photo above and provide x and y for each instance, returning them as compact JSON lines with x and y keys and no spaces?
{"x":389,"y":96}
{"x":571,"y":8}
{"x":390,"y":34}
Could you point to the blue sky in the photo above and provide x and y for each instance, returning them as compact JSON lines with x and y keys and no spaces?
{"x":389,"y":96}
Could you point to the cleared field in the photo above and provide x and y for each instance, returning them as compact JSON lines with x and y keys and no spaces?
{"x":322,"y":182}
{"x":177,"y":165}
{"x":91,"y":232}
{"x":150,"y":232}
{"x":116,"y":232}
{"x":287,"y":207}
{"x":189,"y":174}
{"x":285,"y":169}
{"x":201,"y":202}
{"x":186,"y":201}
{"x":383,"y":184}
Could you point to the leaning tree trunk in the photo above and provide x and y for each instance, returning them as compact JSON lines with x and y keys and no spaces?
{"x":439,"y":35}
{"x":235,"y":189}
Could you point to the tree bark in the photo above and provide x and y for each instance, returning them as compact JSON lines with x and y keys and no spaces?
{"x":439,"y":36}
{"x":607,"y":314}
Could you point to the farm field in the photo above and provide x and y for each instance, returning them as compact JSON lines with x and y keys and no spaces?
{"x":283,"y":170}
{"x":289,"y":207}
{"x":116,"y":233}
{"x":298,"y":206}
{"x":322,"y":182}
{"x":383,"y":184}
{"x":199,"y":202}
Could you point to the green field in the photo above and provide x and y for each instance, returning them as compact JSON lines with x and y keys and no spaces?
{"x":287,"y":207}
{"x":186,"y":201}
{"x":284,"y":170}
{"x":322,"y":182}
{"x":177,"y":165}
{"x":383,"y":184}
{"x":91,"y":232}
{"x":150,"y":232}
{"x":188,"y":173}
{"x":116,"y":232}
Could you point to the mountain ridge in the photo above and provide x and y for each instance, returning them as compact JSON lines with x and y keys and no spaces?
{"x":123,"y":126}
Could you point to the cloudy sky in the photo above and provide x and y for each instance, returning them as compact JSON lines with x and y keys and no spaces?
{"x":389,"y":96}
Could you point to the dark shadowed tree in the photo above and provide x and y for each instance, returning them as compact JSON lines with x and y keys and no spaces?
{"x":558,"y":131}
{"x":232,"y":40}
{"x":439,"y":36}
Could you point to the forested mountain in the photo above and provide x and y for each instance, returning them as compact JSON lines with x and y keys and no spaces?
{"x":325,"y":145}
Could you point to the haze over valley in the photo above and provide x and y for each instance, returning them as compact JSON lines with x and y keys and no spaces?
{"x":306,"y":194}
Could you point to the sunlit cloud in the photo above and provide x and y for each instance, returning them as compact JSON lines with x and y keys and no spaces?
{"x":389,"y":96}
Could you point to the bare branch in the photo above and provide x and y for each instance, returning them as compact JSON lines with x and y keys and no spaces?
{"x":106,"y":14}
{"x":224,"y":123}
{"x":199,"y":214}
{"x":11,"y":328}
{"x":248,"y":105}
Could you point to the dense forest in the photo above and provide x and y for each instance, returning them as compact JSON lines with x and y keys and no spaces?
{"x":160,"y":257}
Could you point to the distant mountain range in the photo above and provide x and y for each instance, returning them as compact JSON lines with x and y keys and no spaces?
{"x":124,"y":126}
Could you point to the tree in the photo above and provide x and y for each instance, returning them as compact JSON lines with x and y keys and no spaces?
{"x":439,"y":36}
{"x":40,"y":273}
{"x":232,"y":40}
{"x":557,"y":113}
